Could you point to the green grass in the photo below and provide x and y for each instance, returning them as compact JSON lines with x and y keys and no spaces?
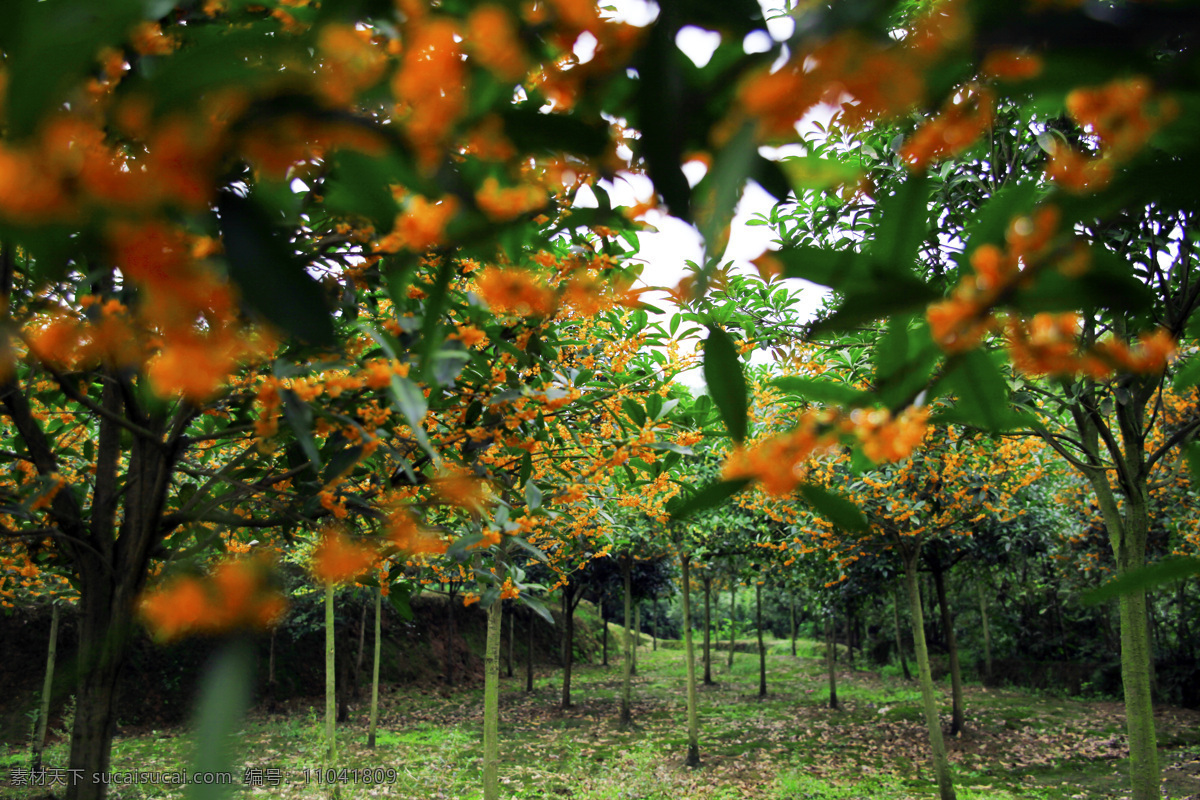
{"x":787,"y":746}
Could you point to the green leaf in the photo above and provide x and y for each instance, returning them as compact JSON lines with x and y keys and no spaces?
{"x":299,"y":419}
{"x":533,"y":550}
{"x":398,"y":596}
{"x":356,"y":188}
{"x":531,"y":130}
{"x":814,"y":172}
{"x":533,"y":496}
{"x":1188,"y":375}
{"x":224,"y":698}
{"x":815,"y":390}
{"x":431,"y":322}
{"x":903,"y":223}
{"x":50,"y":48}
{"x":720,"y":189}
{"x":536,"y":607}
{"x":671,"y":447}
{"x":409,"y":398}
{"x":840,"y":511}
{"x":342,"y":461}
{"x":271,"y":278}
{"x":1191,"y":452}
{"x":457,"y":551}
{"x":710,"y":496}
{"x":980,"y":389}
{"x":726,"y":386}
{"x":1143,"y":578}
{"x":837,"y":269}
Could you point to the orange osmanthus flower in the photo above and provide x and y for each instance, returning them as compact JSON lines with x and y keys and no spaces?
{"x":516,"y":291}
{"x":339,"y":559}
{"x":237,"y":593}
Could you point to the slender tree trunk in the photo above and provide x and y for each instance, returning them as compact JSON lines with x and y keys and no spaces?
{"x":604,"y":625}
{"x":330,"y":682}
{"x":343,"y":682}
{"x":452,"y":627}
{"x":654,"y":627}
{"x":491,"y":703}
{"x":792,"y":610}
{"x":899,"y":636}
{"x":272,"y":687}
{"x":831,"y":657}
{"x":732,"y":620}
{"x":956,"y":686}
{"x":529,"y":652}
{"x":693,"y":751}
{"x":568,"y":645}
{"x":941,"y":764}
{"x":1136,"y":672}
{"x":375,"y":666}
{"x":987,"y":636}
{"x":708,"y":681}
{"x":39,"y":739}
{"x":637,"y":632}
{"x":762,"y":648}
{"x":356,"y":676}
{"x":849,"y":635}
{"x":512,"y":634}
{"x":627,"y":681}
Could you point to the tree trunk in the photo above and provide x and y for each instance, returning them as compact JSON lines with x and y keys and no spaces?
{"x":491,"y":703}
{"x":831,"y":657}
{"x":604,"y":635}
{"x":654,"y":627}
{"x":512,"y":634}
{"x":693,"y":751}
{"x":899,"y":636}
{"x":330,"y":682}
{"x":732,"y":620}
{"x":987,"y":637}
{"x":956,"y":685}
{"x":792,"y":610}
{"x":103,"y":641}
{"x":375,"y":667}
{"x":452,"y":627}
{"x":627,"y":681}
{"x":356,"y":675}
{"x":708,"y":681}
{"x":941,"y":765}
{"x":343,"y":682}
{"x":762,"y":648}
{"x":39,"y":739}
{"x":637,"y":632}
{"x":849,"y":635}
{"x":272,"y":686}
{"x":568,"y":645}
{"x":529,"y":653}
{"x":1136,"y":677}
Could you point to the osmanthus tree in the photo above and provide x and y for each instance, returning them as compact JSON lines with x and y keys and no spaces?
{"x":1076,"y":252}
{"x":160,"y":263}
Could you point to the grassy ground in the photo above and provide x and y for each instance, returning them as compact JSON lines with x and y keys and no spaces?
{"x":789,"y":746}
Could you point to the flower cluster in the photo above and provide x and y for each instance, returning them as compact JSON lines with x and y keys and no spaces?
{"x":235,"y":594}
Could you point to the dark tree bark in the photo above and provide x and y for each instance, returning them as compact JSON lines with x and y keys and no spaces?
{"x":529,"y":651}
{"x":604,"y":635}
{"x":956,"y":686}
